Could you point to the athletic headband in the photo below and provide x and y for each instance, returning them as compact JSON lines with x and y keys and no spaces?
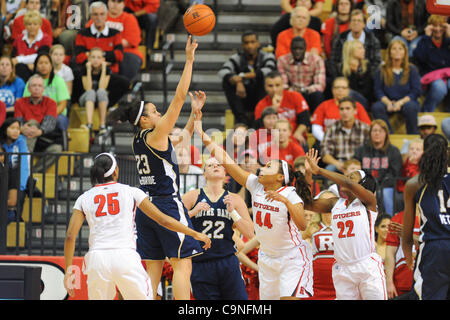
{"x":362,"y":174}
{"x":141,"y":109}
{"x":114,"y":163}
{"x":285,"y":171}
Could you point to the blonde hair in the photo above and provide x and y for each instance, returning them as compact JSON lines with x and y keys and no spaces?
{"x":56,"y":47}
{"x":435,"y":19}
{"x":347,"y":56}
{"x":417,"y":140}
{"x":349,"y":162}
{"x":299,"y":161}
{"x":283,"y":121}
{"x":32,"y":16}
{"x":96,"y":49}
{"x":387,"y":74}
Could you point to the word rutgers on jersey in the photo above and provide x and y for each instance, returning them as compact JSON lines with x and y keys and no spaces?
{"x":346,"y":215}
{"x":265,"y":206}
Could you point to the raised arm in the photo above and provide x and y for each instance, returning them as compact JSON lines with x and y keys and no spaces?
{"x":169,"y":119}
{"x":238,"y":174}
{"x":242,"y":222}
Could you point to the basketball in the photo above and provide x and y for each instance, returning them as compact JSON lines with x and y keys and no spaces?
{"x":199,"y":20}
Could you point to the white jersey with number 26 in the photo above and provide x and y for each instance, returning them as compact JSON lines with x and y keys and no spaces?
{"x":110,"y":209}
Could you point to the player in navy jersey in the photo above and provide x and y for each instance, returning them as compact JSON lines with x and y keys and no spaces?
{"x":159,"y":178}
{"x":430,"y":191}
{"x":216,"y":274}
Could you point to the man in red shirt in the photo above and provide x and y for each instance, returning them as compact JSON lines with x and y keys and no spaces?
{"x":99,"y":35}
{"x":300,"y":18}
{"x":146,"y":14}
{"x":37,"y":115}
{"x":290,"y":105}
{"x":328,"y":111}
{"x":128,"y":26}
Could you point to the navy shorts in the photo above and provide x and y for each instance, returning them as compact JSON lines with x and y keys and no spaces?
{"x":432,"y":272}
{"x":154,"y":242}
{"x":218,"y":279}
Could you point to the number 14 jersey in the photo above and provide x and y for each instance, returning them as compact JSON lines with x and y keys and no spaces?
{"x":274,"y":227}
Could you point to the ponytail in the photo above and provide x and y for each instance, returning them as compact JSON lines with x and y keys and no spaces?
{"x":302,"y":187}
{"x":433,"y":163}
{"x":126,"y":113}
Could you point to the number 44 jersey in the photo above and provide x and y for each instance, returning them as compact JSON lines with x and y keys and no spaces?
{"x":110,"y":209}
{"x":274,"y":227}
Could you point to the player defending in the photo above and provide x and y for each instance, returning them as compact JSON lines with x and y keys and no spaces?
{"x":109,"y":208}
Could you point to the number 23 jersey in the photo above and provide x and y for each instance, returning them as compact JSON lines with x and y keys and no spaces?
{"x":110,"y":209}
{"x":274,"y":227}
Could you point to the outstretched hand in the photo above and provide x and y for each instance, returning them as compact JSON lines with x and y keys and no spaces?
{"x":191,"y":46}
{"x":197,"y":102}
{"x":312,"y":157}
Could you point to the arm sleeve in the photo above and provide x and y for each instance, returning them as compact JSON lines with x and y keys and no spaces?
{"x":138,"y":195}
{"x":294,"y":198}
{"x":318,"y":132}
{"x":24,"y":162}
{"x":416,"y":86}
{"x":252,"y":183}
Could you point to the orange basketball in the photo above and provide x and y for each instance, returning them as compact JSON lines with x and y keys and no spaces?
{"x":199,"y":20}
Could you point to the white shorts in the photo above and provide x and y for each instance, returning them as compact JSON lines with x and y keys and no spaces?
{"x":363,"y":280}
{"x":290,"y":275}
{"x":106,"y":269}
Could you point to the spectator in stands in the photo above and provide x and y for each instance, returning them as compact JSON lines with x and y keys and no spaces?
{"x":381,"y":230}
{"x":191,"y":177}
{"x":328,"y":111}
{"x":14,"y":142}
{"x":283,"y":147}
{"x":343,"y":137}
{"x":290,"y":105}
{"x":406,"y":20}
{"x":316,"y":6}
{"x":38,"y":118}
{"x":12,"y":188}
{"x":397,"y":88}
{"x":235,"y":141}
{"x":129,"y":28}
{"x":283,"y":23}
{"x":55,"y":88}
{"x":11,"y":86}
{"x":380,"y":158}
{"x":355,"y":67}
{"x":11,"y":8}
{"x":427,"y":125}
{"x":146,"y":13}
{"x":303,"y":72}
{"x":175,"y":135}
{"x":356,"y":31}
{"x":99,"y":35}
{"x":445,"y":126}
{"x":299,"y":21}
{"x":95,"y":78}
{"x":2,"y":112}
{"x":410,"y":166}
{"x":57,"y":53}
{"x":243,"y":77}
{"x":27,"y":47}
{"x":260,"y":139}
{"x":432,"y":55}
{"x":18,"y":25}
{"x":335,"y":25}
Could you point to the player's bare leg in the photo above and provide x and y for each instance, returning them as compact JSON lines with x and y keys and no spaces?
{"x":154,"y":270}
{"x":181,"y":281}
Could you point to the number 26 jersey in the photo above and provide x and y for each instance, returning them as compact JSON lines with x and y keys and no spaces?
{"x":274,"y":227}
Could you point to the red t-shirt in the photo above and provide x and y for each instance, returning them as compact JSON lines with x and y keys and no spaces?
{"x":328,"y":112}
{"x":291,"y":105}
{"x":403,"y":276}
{"x":327,"y":33}
{"x":23,"y":108}
{"x":150,"y":6}
{"x":284,"y":39}
{"x":289,"y":154}
{"x":408,"y":170}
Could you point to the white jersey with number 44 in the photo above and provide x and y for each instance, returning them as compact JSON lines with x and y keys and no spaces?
{"x":274,"y":228}
{"x":110,"y":209}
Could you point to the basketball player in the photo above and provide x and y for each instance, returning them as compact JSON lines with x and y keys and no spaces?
{"x":216,"y":274}
{"x":109,"y":208}
{"x":430,"y":191}
{"x":284,"y":261}
{"x":358,"y":272}
{"x":159,"y":178}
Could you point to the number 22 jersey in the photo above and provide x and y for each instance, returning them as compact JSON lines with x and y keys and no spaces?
{"x":274,"y":227}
